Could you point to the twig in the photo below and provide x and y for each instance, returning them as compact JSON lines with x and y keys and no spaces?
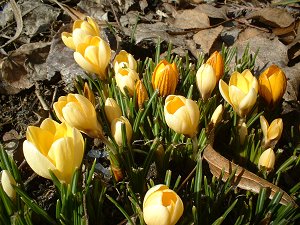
{"x":42,"y":101}
{"x":187,"y":178}
{"x":115,"y":15}
{"x":86,"y":217}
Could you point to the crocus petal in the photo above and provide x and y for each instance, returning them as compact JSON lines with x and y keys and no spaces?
{"x":35,"y":134}
{"x":155,"y":188}
{"x":236,"y":96}
{"x":67,"y":39}
{"x":91,"y":55}
{"x":78,"y":147}
{"x":248,"y":102}
{"x":94,"y":25}
{"x":82,"y":62}
{"x":275,"y":129}
{"x":36,"y":160}
{"x":264,"y":125}
{"x":224,"y":90}
{"x":156,"y":214}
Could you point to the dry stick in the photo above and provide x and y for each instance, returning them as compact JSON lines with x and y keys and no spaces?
{"x":115,"y":15}
{"x":86,"y":216}
{"x":42,"y":101}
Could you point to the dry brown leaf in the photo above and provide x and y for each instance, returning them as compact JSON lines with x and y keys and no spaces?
{"x":213,"y":12}
{"x":19,"y":68}
{"x":191,"y":18}
{"x":293,"y":83}
{"x":249,"y":33}
{"x":270,"y":51}
{"x":206,"y":38}
{"x":274,"y":17}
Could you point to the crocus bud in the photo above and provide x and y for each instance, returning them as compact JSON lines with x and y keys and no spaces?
{"x":77,"y":111}
{"x":126,"y":77}
{"x":54,"y":146}
{"x":182,"y":115}
{"x":272,"y":85}
{"x":162,"y":206}
{"x":241,"y":93}
{"x":141,"y":93}
{"x":88,"y":93}
{"x":116,"y":129}
{"x":93,"y":56}
{"x":165,"y":78}
{"x":243,"y":132}
{"x":216,"y":61}
{"x":112,"y":109}
{"x":124,"y":60}
{"x":7,"y":181}
{"x":206,"y":80}
{"x":267,"y":160}
{"x":272,"y":133}
{"x":217,"y":115}
{"x":82,"y":32}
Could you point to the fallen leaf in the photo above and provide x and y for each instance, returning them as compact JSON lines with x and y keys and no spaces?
{"x":206,"y":38}
{"x":293,"y":83}
{"x":274,"y":17}
{"x":191,"y":18}
{"x":249,"y":33}
{"x":213,"y":12}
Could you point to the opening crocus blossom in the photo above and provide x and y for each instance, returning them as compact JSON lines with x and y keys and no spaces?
{"x":162,"y":206}
{"x":116,"y":129}
{"x":124,"y":60}
{"x":272,"y":132}
{"x":93,"y":56}
{"x":82,"y":32}
{"x":126,"y":77}
{"x":206,"y":80}
{"x":241,"y":93}
{"x":165,"y":78}
{"x":53,"y":146}
{"x":77,"y":111}
{"x":182,"y":115}
{"x":272,"y":85}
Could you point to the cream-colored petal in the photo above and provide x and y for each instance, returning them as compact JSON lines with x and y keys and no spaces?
{"x":156,"y":215}
{"x":78,"y":147}
{"x":91,"y":55}
{"x":112,"y":109}
{"x":104,"y":55}
{"x":176,"y":208}
{"x":206,"y":80}
{"x":275,"y":129}
{"x":158,"y":187}
{"x":242,"y":84}
{"x":87,"y":107}
{"x":86,"y":65}
{"x":264,"y":125}
{"x":233,"y":78}
{"x":7,"y":180}
{"x":58,"y":106}
{"x":224,"y":90}
{"x":79,"y":36}
{"x":62,"y":153}
{"x":236,"y":96}
{"x":41,"y":138}
{"x":94,"y":25}
{"x":36,"y":160}
{"x":267,"y":159}
{"x":67,"y":39}
{"x":248,"y":102}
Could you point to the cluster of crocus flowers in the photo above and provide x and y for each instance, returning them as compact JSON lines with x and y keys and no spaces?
{"x":272,"y":85}
{"x":7,"y":181}
{"x":165,"y":78}
{"x":272,"y":132}
{"x":91,"y":52}
{"x":53,"y":146}
{"x":162,"y":206}
{"x":267,"y":160}
{"x":182,"y":115}
{"x":241,"y":93}
{"x":77,"y":111}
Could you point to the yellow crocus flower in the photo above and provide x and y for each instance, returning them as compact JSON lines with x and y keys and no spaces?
{"x":124,"y":60}
{"x":82,"y":32}
{"x":7,"y":181}
{"x":272,"y":85}
{"x":77,"y":111}
{"x":272,"y":132}
{"x":54,"y":146}
{"x":165,"y":78}
{"x":182,"y":115}
{"x":162,"y":206}
{"x":217,"y":62}
{"x":94,"y":56}
{"x":241,"y":93}
{"x":206,"y":80}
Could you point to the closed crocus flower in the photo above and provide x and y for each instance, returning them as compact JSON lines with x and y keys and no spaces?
{"x":112,"y":109}
{"x":206,"y":80}
{"x":126,"y":77}
{"x":162,"y":206}
{"x":124,"y":60}
{"x":272,"y":85}
{"x":93,"y":56}
{"x":267,"y":160}
{"x":53,"y":146}
{"x":82,"y":32}
{"x":216,"y":61}
{"x":241,"y":93}
{"x":272,"y":132}
{"x":7,"y":181}
{"x":165,"y":78}
{"x":141,"y":93}
{"x":116,"y":129}
{"x":182,"y":115}
{"x":77,"y":111}
{"x":217,"y":114}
